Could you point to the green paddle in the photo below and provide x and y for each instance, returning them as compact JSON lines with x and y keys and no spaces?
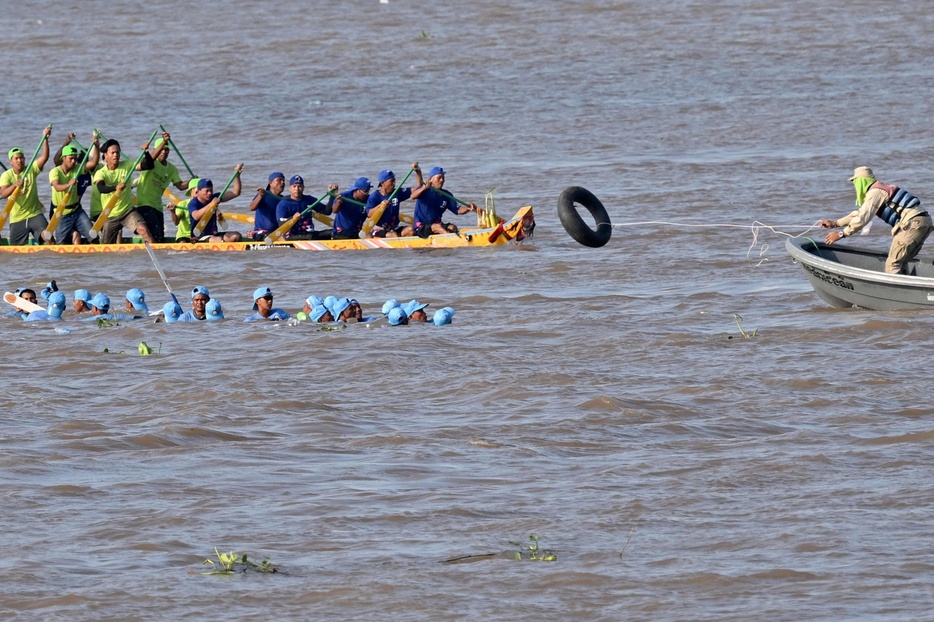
{"x":177,"y":152}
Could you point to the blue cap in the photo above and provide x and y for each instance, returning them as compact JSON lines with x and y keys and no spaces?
{"x":57,"y":304}
{"x":397,"y":316}
{"x":171,"y":311}
{"x":276,"y":175}
{"x":258,"y":293}
{"x":412,"y":306}
{"x":315,"y":301}
{"x":101,"y":301}
{"x":329,"y":303}
{"x":317,"y":312}
{"x":138,"y":299}
{"x":83,"y":295}
{"x":443,"y":316}
{"x":296,"y":179}
{"x":200,"y":289}
{"x":362,"y":183}
{"x":436,"y":171}
{"x":213,"y":309}
{"x":386,"y":175}
{"x":338,"y":307}
{"x":389,"y":305}
{"x":204,"y":182}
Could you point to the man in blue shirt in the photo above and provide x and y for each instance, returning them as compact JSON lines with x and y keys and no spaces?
{"x":431,"y":203}
{"x":199,"y":300}
{"x":203,"y":198}
{"x":388,"y":224}
{"x":296,"y":203}
{"x":262,"y":304}
{"x":264,"y":206}
{"x":350,"y":210}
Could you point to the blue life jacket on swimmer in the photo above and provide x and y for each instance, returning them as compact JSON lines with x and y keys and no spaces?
{"x":900,"y":200}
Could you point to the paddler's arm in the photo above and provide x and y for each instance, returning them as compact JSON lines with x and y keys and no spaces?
{"x":147,"y":163}
{"x":104,"y":188}
{"x":235,"y":187}
{"x":258,"y":199}
{"x":44,"y":154}
{"x":328,"y":208}
{"x":58,"y":186}
{"x":6,"y":191}
{"x":95,"y":156}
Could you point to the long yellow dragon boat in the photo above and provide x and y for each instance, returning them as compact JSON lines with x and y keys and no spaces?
{"x":511,"y":231}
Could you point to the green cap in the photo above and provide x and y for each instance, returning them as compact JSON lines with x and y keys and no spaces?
{"x":69,"y":150}
{"x":14,"y":151}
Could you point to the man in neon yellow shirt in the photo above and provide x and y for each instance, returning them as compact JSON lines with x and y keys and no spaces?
{"x":109,"y":179}
{"x":68,"y":186}
{"x":152,"y":184}
{"x":26,"y":216}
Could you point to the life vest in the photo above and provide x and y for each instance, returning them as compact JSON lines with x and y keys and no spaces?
{"x":900,"y":201}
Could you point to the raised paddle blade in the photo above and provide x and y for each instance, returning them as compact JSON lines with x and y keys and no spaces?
{"x":21,"y":303}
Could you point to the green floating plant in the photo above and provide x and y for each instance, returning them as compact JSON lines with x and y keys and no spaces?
{"x":103,"y":322}
{"x":230,"y":563}
{"x":532,"y":552}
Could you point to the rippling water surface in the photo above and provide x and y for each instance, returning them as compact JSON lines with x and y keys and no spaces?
{"x":608,"y":399}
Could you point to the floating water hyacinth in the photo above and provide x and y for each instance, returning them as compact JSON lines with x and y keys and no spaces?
{"x":230,"y":563}
{"x":531,"y":552}
{"x":144,"y":349}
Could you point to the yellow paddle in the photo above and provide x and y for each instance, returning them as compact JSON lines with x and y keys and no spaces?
{"x":370,"y":222}
{"x":285,"y":227}
{"x":60,"y":209}
{"x":11,"y":201}
{"x":105,"y":213}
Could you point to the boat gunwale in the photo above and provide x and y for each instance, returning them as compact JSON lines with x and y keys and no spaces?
{"x":794,"y":246}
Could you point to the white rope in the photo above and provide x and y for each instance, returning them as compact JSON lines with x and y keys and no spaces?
{"x":754,"y":228}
